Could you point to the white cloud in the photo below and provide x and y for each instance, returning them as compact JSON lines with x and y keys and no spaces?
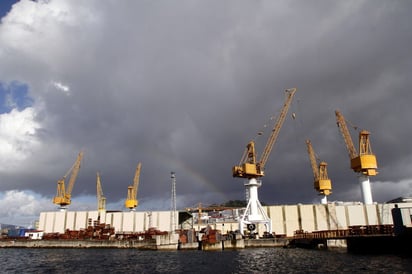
{"x":17,"y":136}
{"x":64,"y":88}
{"x":22,"y":207}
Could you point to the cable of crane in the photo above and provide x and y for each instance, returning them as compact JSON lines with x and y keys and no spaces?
{"x":355,"y":127}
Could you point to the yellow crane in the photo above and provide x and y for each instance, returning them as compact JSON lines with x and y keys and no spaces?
{"x":63,"y":196}
{"x":364,"y":163}
{"x":131,"y":201}
{"x":101,"y":200}
{"x":321,"y":180}
{"x":253,"y":170}
{"x":248,"y":166}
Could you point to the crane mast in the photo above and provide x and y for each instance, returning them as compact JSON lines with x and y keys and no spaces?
{"x":248,"y":167}
{"x":131,"y":201}
{"x":101,"y":200}
{"x":322,"y":183}
{"x":63,"y":196}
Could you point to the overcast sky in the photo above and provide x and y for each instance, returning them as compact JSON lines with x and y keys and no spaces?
{"x":183,"y":86}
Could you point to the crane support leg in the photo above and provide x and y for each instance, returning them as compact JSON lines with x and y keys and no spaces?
{"x":366,"y":189}
{"x":254,"y":213}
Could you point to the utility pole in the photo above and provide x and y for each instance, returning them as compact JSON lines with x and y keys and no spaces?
{"x":173,"y":202}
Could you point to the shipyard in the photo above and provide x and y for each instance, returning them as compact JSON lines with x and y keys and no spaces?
{"x":354,"y":226}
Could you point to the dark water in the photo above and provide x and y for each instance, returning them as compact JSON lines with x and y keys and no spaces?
{"x":261,"y":260}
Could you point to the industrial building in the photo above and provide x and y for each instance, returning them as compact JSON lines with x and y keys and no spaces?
{"x":255,"y":218}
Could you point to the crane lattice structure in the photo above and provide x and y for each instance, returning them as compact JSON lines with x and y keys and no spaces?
{"x":363,"y":163}
{"x":131,"y":200}
{"x":64,"y":193}
{"x":252,"y":170}
{"x":321,"y":181}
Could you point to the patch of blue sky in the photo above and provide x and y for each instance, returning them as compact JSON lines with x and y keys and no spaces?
{"x":5,"y":6}
{"x":14,"y":96}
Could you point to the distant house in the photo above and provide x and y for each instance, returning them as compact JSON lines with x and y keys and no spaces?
{"x":28,"y":233}
{"x":400,"y":200}
{"x":34,"y":234}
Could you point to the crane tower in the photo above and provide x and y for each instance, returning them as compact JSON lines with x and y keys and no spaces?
{"x":64,"y":194}
{"x":252,"y":170}
{"x":321,"y":180}
{"x":363,"y":163}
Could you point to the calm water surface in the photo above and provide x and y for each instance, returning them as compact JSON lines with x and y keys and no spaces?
{"x":261,"y":260}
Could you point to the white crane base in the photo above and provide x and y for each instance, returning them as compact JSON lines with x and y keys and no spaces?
{"x":366,"y":189}
{"x":254,"y":213}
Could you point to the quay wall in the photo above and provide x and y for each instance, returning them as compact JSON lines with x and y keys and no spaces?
{"x":78,"y":244}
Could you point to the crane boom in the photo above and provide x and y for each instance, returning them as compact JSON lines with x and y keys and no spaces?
{"x":249,"y":167}
{"x":276,"y":129}
{"x":340,"y":120}
{"x":101,"y":200}
{"x":321,"y":180}
{"x":313,"y":161}
{"x":131,"y":201}
{"x":63,"y":196}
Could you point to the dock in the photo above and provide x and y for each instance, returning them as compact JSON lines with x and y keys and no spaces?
{"x":376,"y":239}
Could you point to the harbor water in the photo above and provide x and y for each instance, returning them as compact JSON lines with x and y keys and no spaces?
{"x":253,"y":260}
